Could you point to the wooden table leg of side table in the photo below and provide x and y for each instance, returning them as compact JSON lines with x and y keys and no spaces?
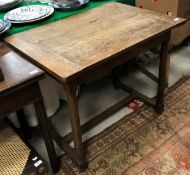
{"x":167,"y":72}
{"x":23,"y":124}
{"x":1,"y":75}
{"x":163,"y":74}
{"x":45,"y":127}
{"x":75,"y":125}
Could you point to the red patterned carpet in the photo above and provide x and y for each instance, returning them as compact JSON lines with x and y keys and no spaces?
{"x":144,"y":143}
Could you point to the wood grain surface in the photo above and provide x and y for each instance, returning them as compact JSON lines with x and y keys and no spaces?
{"x":69,"y":46}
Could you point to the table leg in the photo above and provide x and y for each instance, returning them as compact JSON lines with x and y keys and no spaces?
{"x":42,"y":116}
{"x":1,"y":75}
{"x":23,"y":124}
{"x":163,"y":74}
{"x":167,"y":72}
{"x":75,"y":125}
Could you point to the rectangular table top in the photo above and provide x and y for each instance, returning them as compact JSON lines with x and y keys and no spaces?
{"x":69,"y":46}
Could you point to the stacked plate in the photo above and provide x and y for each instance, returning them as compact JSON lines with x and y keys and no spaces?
{"x":29,"y":14}
{"x":4,"y":26}
{"x":8,"y":4}
{"x":68,"y":4}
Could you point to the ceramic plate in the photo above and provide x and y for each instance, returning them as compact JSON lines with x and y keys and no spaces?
{"x":68,"y":4}
{"x":1,"y":25}
{"x":7,"y":25}
{"x":29,"y":13}
{"x":34,"y":20}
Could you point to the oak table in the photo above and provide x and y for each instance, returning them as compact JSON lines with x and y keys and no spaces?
{"x":91,"y":43}
{"x":19,"y":88}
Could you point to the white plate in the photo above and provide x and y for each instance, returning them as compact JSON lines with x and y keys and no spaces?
{"x":29,"y":13}
{"x":32,"y":21}
{"x":1,"y":25}
{"x":7,"y":26}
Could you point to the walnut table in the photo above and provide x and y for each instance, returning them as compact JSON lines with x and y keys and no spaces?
{"x":83,"y":46}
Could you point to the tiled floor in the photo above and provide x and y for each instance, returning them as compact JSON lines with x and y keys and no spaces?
{"x":98,"y":95}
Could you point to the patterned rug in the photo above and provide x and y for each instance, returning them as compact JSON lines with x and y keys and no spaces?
{"x":144,"y":143}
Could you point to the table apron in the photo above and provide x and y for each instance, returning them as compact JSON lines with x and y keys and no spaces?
{"x":117,"y":60}
{"x":17,"y":99}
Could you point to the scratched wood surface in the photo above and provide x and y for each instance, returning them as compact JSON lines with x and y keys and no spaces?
{"x":67,"y":47}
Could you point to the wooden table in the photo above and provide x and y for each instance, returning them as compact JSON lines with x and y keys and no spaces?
{"x":83,"y":46}
{"x":20,"y":88}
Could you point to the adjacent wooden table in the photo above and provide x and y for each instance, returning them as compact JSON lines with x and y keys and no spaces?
{"x":83,"y":46}
{"x":20,"y":88}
